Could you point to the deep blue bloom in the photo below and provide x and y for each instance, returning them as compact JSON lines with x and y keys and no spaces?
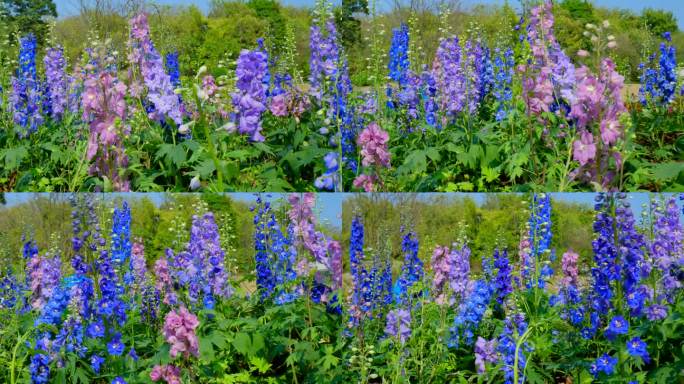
{"x":96,"y":329}
{"x":605,"y":363}
{"x":115,"y":347}
{"x":412,"y":270}
{"x":638,"y":348}
{"x":470,"y":314}
{"x":96,"y":363}
{"x":265,"y":277}
{"x":502,"y":282}
{"x":514,"y":326}
{"x":617,"y":326}
{"x":173,"y":68}
{"x":26,"y":92}
{"x":118,"y":380}
{"x":132,"y":354}
{"x":503,"y":79}
{"x":40,"y":368}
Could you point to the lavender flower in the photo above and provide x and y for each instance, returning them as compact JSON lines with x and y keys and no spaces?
{"x":485,"y":352}
{"x":250,"y":98}
{"x":399,"y":324}
{"x":56,"y":82}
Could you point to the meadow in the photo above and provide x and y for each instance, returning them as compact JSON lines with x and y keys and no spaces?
{"x":384,"y":301}
{"x":505,"y":109}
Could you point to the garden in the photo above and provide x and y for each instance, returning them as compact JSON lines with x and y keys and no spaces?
{"x":529,"y":103}
{"x":496,"y":288}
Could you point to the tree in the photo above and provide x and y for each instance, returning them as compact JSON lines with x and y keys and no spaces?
{"x":658,"y":21}
{"x":28,"y":16}
{"x":349,"y":27}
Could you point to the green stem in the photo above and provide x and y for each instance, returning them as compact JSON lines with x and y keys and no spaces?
{"x":518,"y":345}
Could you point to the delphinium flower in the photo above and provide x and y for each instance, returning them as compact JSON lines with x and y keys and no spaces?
{"x":265,"y":278}
{"x":26,"y":95}
{"x":442,"y":263}
{"x":357,"y":271}
{"x":40,"y":369}
{"x":144,"y":56}
{"x":205,"y":247}
{"x":412,"y":270}
{"x":137,"y":274}
{"x":121,"y":236}
{"x":503,"y":285}
{"x":329,"y":180}
{"x":514,"y":326}
{"x":569,"y":294}
{"x":56,"y":82}
{"x":550,"y":74}
{"x":44,"y":275}
{"x":399,"y":324}
{"x":104,"y":108}
{"x":449,"y":79}
{"x":164,"y":282}
{"x":618,"y":325}
{"x":603,"y":364}
{"x":632,"y":246}
{"x":470,"y":313}
{"x":86,"y":231}
{"x":179,"y":331}
{"x":605,"y":257}
{"x":659,"y":86}
{"x":284,"y":257}
{"x":667,"y":247}
{"x":249,"y":100}
{"x":373,"y":142}
{"x":597,"y":102}
{"x":10,"y":290}
{"x":169,"y":373}
{"x":429,"y":97}
{"x":503,"y":79}
{"x":324,"y":59}
{"x":485,"y":352}
{"x":536,"y":269}
{"x":638,"y":348}
{"x":118,"y":380}
{"x":405,"y":96}
{"x":173,"y":68}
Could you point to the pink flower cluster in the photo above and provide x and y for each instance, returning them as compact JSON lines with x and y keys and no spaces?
{"x":179,"y":331}
{"x":597,"y":99}
{"x":104,"y":107}
{"x":291,"y":102}
{"x":373,"y":142}
{"x":569,"y":266}
{"x":168,"y":373}
{"x":325,"y":250}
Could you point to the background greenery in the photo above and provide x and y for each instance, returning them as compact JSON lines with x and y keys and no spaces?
{"x":216,"y":38}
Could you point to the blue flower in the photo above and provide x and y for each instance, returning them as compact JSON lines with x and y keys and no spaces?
{"x":638,"y":348}
{"x":132,"y":354}
{"x":115,"y":347}
{"x":95,"y":329}
{"x":96,"y":362}
{"x":118,"y":380}
{"x":40,"y":369}
{"x":605,"y":363}
{"x":617,"y":326}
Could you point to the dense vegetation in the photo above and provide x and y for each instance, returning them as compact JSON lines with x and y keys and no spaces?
{"x":103,"y":308}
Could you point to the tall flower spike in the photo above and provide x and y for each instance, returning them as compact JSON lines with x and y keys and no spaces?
{"x":249,"y":99}
{"x":26,"y":93}
{"x":56,"y":82}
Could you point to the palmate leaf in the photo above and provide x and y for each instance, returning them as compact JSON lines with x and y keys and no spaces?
{"x":171,"y":154}
{"x":14,"y":156}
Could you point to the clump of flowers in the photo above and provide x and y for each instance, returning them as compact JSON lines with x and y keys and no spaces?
{"x":250,"y":98}
{"x":375,"y":155}
{"x":169,"y":373}
{"x":26,"y":94}
{"x":56,"y":83}
{"x":659,"y":81}
{"x":104,"y":108}
{"x":179,"y":331}
{"x":399,"y":324}
{"x":160,"y":89}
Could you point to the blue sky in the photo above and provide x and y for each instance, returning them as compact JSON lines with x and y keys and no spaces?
{"x":66,"y":7}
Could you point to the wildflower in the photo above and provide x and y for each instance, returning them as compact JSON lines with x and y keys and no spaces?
{"x":637,"y":348}
{"x":115,"y":347}
{"x":584,"y":149}
{"x":250,"y":98}
{"x":412,"y":270}
{"x":399,"y":324}
{"x":617,"y":326}
{"x":514,"y":326}
{"x":605,"y":363}
{"x":56,"y":82}
{"x":96,"y":363}
{"x":179,"y":331}
{"x":485,"y":352}
{"x":160,"y":89}
{"x":330,"y":179}
{"x":168,"y":373}
{"x":470,"y":313}
{"x":25,"y":97}
{"x":118,"y":380}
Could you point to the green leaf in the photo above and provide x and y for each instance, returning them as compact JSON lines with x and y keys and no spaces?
{"x":173,"y":154}
{"x":433,"y":154}
{"x":668,"y":171}
{"x":242,"y":343}
{"x":259,"y":364}
{"x":206,"y":349}
{"x":14,"y":156}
